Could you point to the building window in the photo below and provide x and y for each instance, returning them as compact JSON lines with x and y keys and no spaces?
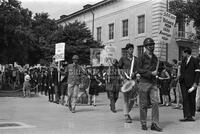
{"x":141,"y":24}
{"x":111,"y":31}
{"x":99,"y":34}
{"x":124,"y":52}
{"x":125,"y":28}
{"x":140,"y":50}
{"x":181,"y":29}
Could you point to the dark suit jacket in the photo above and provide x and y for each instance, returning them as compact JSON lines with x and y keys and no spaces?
{"x":53,"y":78}
{"x":189,"y":72}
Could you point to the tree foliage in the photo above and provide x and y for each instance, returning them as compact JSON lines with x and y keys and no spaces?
{"x":78,"y":40}
{"x":187,"y":11}
{"x":30,"y":39}
{"x":179,"y":8}
{"x":16,"y":35}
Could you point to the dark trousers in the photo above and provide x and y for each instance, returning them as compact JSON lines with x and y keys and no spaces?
{"x":45,"y":89}
{"x":112,"y":95}
{"x":189,"y":104}
{"x":63,"y":91}
{"x":56,"y":91}
{"x":51,"y":92}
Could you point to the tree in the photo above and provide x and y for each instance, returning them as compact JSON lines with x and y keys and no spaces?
{"x":187,"y":11}
{"x":78,"y":40}
{"x":43,"y":28}
{"x":15,"y":32}
{"x":17,"y":40}
{"x":30,"y":39}
{"x":179,"y":8}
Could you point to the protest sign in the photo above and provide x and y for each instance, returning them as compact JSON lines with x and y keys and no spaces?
{"x":60,"y":52}
{"x":108,"y":54}
{"x":166,"y":27}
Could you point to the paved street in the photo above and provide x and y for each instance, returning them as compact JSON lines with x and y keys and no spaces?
{"x":43,"y":117}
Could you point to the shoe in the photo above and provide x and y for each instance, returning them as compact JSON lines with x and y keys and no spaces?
{"x":128,"y":118}
{"x":112,"y":108}
{"x":176,"y":107}
{"x":56,"y":102}
{"x":70,"y":107}
{"x":73,"y":110}
{"x":155,"y":127}
{"x":167,"y":104}
{"x":94,"y":105}
{"x":163,"y":105}
{"x":144,"y":126}
{"x":191,"y":119}
{"x":183,"y":120}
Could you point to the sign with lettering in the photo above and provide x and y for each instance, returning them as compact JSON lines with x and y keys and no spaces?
{"x":95,"y":54}
{"x":166,"y":27}
{"x":60,"y":52}
{"x":108,"y":54}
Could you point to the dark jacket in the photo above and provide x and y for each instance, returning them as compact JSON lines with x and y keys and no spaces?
{"x":146,"y":66}
{"x":53,"y":77}
{"x":189,"y":72}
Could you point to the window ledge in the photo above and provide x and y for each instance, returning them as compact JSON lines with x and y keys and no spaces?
{"x":124,"y":38}
{"x":140,"y":35}
{"x":110,"y":41}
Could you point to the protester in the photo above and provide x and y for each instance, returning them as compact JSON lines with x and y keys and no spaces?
{"x":52,"y":80}
{"x":125,"y":64}
{"x":179,"y":99}
{"x":74,"y":71}
{"x":164,"y":82}
{"x":147,"y":63}
{"x":63,"y":83}
{"x":94,"y":86}
{"x":113,"y":84}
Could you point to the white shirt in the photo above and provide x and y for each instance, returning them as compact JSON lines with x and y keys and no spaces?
{"x":188,"y":59}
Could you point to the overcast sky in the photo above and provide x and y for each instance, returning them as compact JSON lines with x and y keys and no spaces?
{"x":56,"y":8}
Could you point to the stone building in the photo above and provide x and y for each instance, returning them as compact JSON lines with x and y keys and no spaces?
{"x":118,"y":22}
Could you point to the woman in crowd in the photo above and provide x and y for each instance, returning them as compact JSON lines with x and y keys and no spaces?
{"x":178,"y":90}
{"x":94,"y":86}
{"x":164,"y":84}
{"x":113,"y":84}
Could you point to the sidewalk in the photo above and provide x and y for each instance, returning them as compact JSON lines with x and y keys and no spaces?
{"x":43,"y":117}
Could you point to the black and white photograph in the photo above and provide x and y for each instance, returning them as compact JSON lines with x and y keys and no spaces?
{"x":99,"y":66}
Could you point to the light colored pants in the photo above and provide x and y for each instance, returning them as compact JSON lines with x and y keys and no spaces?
{"x":128,"y":103}
{"x":147,"y":90}
{"x":198,"y":98}
{"x":72,"y":95}
{"x":179,"y":98}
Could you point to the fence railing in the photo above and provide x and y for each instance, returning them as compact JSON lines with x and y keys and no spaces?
{"x":185,"y":35}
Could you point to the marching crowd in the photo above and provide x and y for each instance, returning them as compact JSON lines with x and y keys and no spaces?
{"x":143,"y":81}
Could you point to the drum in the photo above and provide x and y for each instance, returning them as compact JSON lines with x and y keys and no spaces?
{"x":127,"y":86}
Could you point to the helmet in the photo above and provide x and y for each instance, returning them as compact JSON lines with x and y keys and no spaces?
{"x":148,"y":42}
{"x":75,"y":57}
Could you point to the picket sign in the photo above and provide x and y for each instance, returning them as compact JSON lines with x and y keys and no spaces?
{"x":59,"y":55}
